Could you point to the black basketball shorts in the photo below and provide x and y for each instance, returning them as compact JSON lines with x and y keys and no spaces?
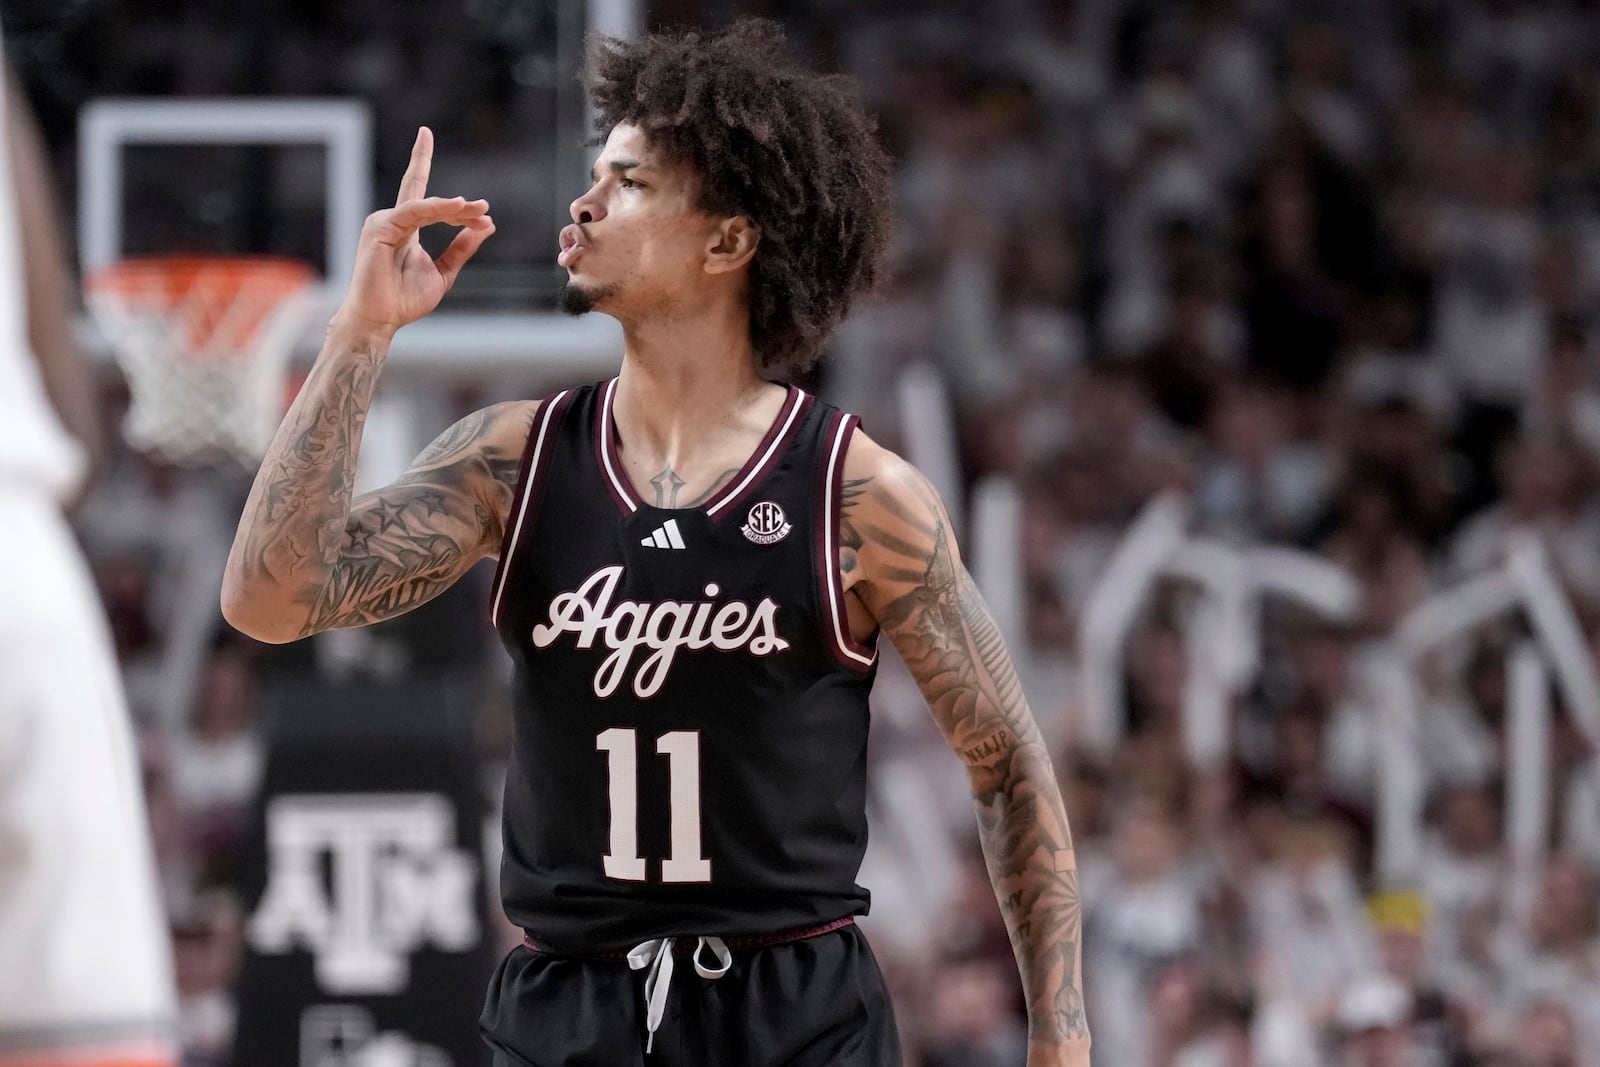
{"x":817,"y":1002}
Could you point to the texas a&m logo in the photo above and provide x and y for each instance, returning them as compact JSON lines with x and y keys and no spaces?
{"x":363,"y":881}
{"x":766,"y":525}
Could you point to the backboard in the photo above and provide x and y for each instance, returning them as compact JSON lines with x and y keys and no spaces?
{"x":341,"y":128}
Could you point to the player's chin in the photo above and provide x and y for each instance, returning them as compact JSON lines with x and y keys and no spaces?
{"x":579,"y":298}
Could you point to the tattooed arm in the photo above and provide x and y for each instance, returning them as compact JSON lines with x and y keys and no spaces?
{"x":305,"y":558}
{"x":296,"y":569}
{"x":900,"y":563}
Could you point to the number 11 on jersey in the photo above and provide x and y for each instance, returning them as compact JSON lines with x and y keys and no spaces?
{"x":682,"y":749}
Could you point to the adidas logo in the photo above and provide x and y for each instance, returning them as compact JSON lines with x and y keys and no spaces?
{"x":665,"y":536}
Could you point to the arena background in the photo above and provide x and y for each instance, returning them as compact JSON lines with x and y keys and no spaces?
{"x":1253,"y":343}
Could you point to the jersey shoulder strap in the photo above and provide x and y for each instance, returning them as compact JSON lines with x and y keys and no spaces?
{"x":537,"y":456}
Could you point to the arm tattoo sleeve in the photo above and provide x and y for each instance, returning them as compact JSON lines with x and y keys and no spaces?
{"x":322,"y":561}
{"x":927,"y":603}
{"x":402,"y":547}
{"x":407,"y":543}
{"x":293,"y":521}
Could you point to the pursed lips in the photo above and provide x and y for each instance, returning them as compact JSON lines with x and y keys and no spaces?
{"x":573,"y":242}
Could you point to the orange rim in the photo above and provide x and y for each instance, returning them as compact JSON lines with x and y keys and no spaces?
{"x":97,"y":1054}
{"x":148,"y":276}
{"x":222,"y":300}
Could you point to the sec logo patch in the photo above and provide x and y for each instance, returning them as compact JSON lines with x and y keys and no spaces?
{"x":766,"y":524}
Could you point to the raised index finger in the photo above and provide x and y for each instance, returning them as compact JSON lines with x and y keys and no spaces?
{"x":415,"y":183}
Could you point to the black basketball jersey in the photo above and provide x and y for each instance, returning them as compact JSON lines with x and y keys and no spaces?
{"x":691,"y":711}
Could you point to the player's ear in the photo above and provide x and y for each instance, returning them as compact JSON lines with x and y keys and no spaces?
{"x":732,"y":244}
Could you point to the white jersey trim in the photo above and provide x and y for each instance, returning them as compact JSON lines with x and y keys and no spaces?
{"x":531,"y":478}
{"x":844,"y":645}
{"x":619,"y":484}
{"x":759,"y":467}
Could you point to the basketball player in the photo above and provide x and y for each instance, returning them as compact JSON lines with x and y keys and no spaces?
{"x":85,"y":968}
{"x":695,"y":565}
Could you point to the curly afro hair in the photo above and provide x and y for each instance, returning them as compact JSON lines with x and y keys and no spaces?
{"x":793,"y":151}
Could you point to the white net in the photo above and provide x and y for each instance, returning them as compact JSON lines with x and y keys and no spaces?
{"x":205,"y":345}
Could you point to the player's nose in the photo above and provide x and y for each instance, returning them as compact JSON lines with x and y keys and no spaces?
{"x":586,"y":209}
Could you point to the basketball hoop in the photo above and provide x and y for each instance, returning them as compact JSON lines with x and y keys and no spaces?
{"x":205,"y":344}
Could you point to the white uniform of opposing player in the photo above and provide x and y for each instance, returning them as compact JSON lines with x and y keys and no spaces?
{"x":85,"y":969}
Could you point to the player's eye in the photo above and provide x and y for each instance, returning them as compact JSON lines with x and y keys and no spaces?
{"x":630,"y":183}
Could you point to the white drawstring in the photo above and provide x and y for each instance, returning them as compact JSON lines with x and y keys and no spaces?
{"x":657,"y":955}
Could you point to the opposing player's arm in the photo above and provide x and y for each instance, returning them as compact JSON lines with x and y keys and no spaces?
{"x":67,"y":375}
{"x":293,"y":571}
{"x":900,"y":560}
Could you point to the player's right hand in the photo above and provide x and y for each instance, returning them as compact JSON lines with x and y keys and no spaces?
{"x":395,"y":280}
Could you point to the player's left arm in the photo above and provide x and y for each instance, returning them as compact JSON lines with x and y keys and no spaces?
{"x":899,"y":559}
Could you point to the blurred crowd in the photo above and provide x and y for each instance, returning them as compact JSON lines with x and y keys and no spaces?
{"x":1327,"y":269}
{"x":1330,"y":272}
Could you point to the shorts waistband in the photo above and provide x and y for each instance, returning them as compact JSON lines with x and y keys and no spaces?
{"x":686,"y":946}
